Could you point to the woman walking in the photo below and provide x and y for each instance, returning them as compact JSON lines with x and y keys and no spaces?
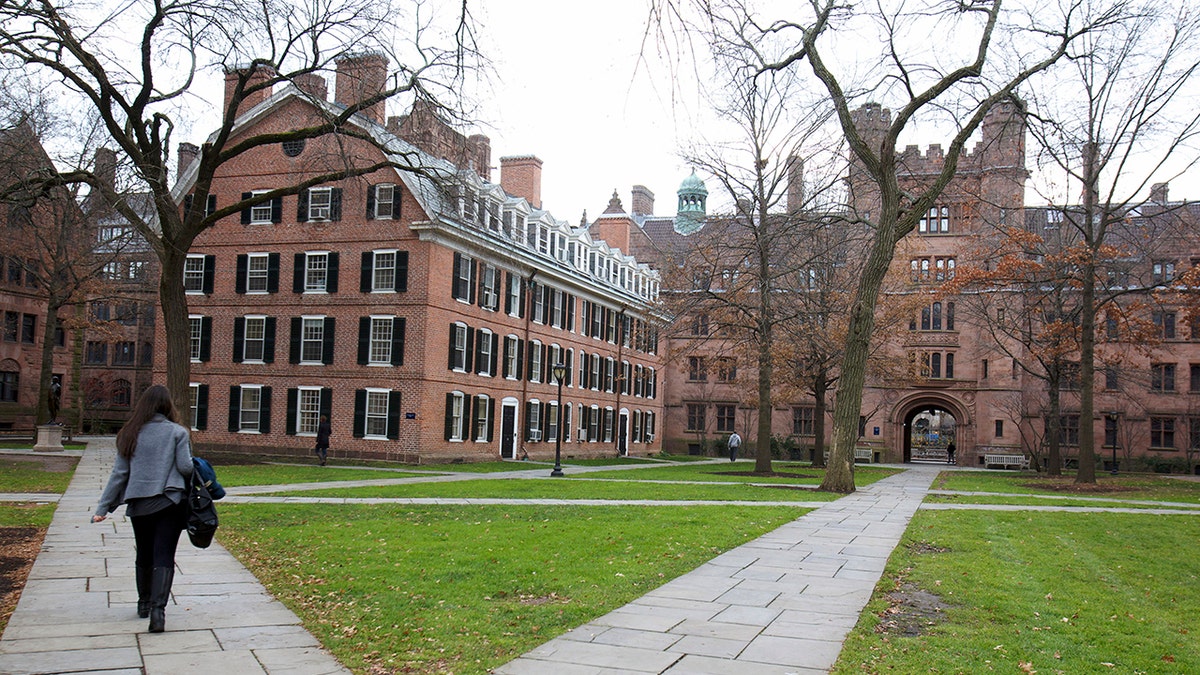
{"x":154,"y":460}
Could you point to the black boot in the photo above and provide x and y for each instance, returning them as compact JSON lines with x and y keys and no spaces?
{"x":142,"y":574}
{"x":160,"y":592}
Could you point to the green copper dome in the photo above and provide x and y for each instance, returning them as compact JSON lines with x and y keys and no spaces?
{"x":693,"y":184}
{"x":693,"y":208}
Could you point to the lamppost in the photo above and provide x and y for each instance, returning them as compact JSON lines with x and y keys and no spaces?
{"x":1116,"y":436}
{"x":560,"y":373}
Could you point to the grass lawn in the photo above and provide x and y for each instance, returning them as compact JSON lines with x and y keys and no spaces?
{"x":234,"y":475}
{"x":1123,"y":486}
{"x":18,"y":474}
{"x":1035,"y":592}
{"x":463,"y":589}
{"x":736,"y":472}
{"x":24,"y":514}
{"x":478,"y":467}
{"x":1097,"y":502}
{"x":539,"y":488}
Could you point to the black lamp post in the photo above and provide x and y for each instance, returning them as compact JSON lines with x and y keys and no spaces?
{"x":560,"y":373}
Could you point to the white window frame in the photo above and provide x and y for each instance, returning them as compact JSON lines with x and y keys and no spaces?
{"x":260,"y":214}
{"x":322,"y":208}
{"x":489,"y":297}
{"x":460,"y":347}
{"x":552,"y":422}
{"x":196,"y":333}
{"x":510,"y":357}
{"x":316,"y":271}
{"x":308,"y":410}
{"x":377,"y":268}
{"x":482,"y":423}
{"x":307,"y":324}
{"x":535,"y":420}
{"x":535,"y":361}
{"x":246,"y":426}
{"x":261,"y":321}
{"x":457,"y":417}
{"x":379,"y":351}
{"x":193,"y":274}
{"x":483,"y":337}
{"x":375,"y":411}
{"x":193,"y":405}
{"x":388,"y":213}
{"x":254,"y":274}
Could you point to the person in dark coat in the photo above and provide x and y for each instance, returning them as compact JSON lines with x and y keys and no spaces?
{"x":154,"y":461}
{"x":950,"y":450}
{"x":323,"y":433}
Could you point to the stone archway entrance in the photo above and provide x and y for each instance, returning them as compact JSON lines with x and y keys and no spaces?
{"x":929,"y":429}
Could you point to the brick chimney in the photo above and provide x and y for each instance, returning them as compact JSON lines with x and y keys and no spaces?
{"x":106,"y":167}
{"x":1158,"y":193}
{"x":188,"y":153}
{"x":643,"y":201}
{"x":313,"y":85}
{"x":795,"y":184}
{"x":521,"y":176}
{"x":254,"y":75}
{"x":361,"y":77}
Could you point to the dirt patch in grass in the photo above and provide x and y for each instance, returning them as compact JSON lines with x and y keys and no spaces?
{"x":1069,"y":486}
{"x":921,"y":547}
{"x":910,"y":612}
{"x":51,"y":463}
{"x":19,"y":547}
{"x":763,"y":474}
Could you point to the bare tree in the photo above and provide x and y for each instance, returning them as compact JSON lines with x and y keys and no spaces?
{"x":84,"y":54}
{"x":955,"y":84}
{"x":1112,"y":120}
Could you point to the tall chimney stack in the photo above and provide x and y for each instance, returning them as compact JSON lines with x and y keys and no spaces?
{"x":359,"y":78}
{"x":188,"y":152}
{"x":521,"y":176}
{"x":643,"y":201}
{"x":253,"y":75}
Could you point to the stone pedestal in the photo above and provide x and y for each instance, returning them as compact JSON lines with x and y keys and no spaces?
{"x":49,"y":438}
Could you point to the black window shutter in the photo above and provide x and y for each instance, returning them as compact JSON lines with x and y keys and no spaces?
{"x":482,"y":277}
{"x":546,"y":363}
{"x":449,"y":416}
{"x":327,"y":341}
{"x":269,"y":340}
{"x":360,"y":413}
{"x":335,"y":204}
{"x":210,"y":205}
{"x":398,"y":326}
{"x":326,"y":403}
{"x":298,"y":267}
{"x":520,"y":347}
{"x":368,"y":272}
{"x":491,"y":418}
{"x":277,"y":210}
{"x":473,"y":407}
{"x":246,"y":211}
{"x":544,"y":420}
{"x":528,"y":374}
{"x":470,"y":355}
{"x":239,"y":336}
{"x":393,"y":420}
{"x":235,"y":408}
{"x":294,"y":351}
{"x":243,"y":268}
{"x":453,"y":332}
{"x":302,"y":207}
{"x":401,"y":271}
{"x":264,"y":411}
{"x":570,"y":368}
{"x":570,"y":313}
{"x":293,"y":397}
{"x":331,"y":277}
{"x":480,"y":338}
{"x":456,"y":289}
{"x":187,"y":205}
{"x":364,"y":340}
{"x":472,"y":283}
{"x":202,"y":407}
{"x":509,"y":280}
{"x":370,"y":202}
{"x":206,"y":338}
{"x":524,"y":295}
{"x":495,"y":354}
{"x":210,"y":270}
{"x":272,"y":272}
{"x":528,"y":416}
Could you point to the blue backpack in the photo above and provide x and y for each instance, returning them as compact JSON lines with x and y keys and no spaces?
{"x":208,"y":478}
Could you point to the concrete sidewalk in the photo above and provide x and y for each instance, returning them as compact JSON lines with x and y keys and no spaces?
{"x":779,"y":605}
{"x":78,"y":614}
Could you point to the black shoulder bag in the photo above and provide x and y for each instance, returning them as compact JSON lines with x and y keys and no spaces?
{"x":202,"y":514}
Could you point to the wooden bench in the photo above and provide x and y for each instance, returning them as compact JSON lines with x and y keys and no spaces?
{"x":860,"y":455}
{"x":1019,"y":461}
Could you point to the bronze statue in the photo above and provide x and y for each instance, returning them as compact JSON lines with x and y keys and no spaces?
{"x":54,"y":399}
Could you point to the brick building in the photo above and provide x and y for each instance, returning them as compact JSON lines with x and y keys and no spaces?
{"x":421,"y":311}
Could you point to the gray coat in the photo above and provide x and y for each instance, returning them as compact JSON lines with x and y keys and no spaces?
{"x":161,"y":462}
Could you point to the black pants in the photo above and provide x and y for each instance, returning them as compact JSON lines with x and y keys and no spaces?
{"x":157,"y":535}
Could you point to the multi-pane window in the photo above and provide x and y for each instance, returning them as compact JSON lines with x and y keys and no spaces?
{"x":254,"y":338}
{"x":122,"y":393}
{"x":1164,"y":322}
{"x":12,"y":323}
{"x":695,"y":417}
{"x":1194,"y":433}
{"x":193,"y":274}
{"x":96,"y":353}
{"x":455,"y":416}
{"x":380,"y":351}
{"x":312,"y":339}
{"x":1164,"y":271}
{"x":316,"y":272}
{"x":1194,"y":377}
{"x":376,"y":420}
{"x":197,"y":405}
{"x":124,"y":353}
{"x":489,"y":288}
{"x":384,"y":196}
{"x":935,"y":221}
{"x":726,"y":369}
{"x":534,"y":421}
{"x":459,"y":347}
{"x":320,"y":203}
{"x":535,"y":361}
{"x":463,"y":283}
{"x":552,"y":421}
{"x":1068,"y":433}
{"x":1162,"y":377}
{"x":934,"y":317}
{"x":10,"y":382}
{"x":196,"y":336}
{"x":482,"y":418}
{"x":29,"y":328}
{"x":485,"y":344}
{"x":931,"y":365}
{"x":383,"y":273}
{"x":803,"y":423}
{"x":512,"y":353}
{"x":308,"y":410}
{"x":251,"y":408}
{"x":697,"y":372}
{"x":726,"y":416}
{"x":1162,"y":432}
{"x":257,"y":272}
{"x":260,"y":213}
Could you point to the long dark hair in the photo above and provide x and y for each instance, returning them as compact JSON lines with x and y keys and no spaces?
{"x":155,"y":400}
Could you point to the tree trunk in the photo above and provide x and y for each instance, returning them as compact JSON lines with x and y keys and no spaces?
{"x":46,"y":371}
{"x":820,"y":388}
{"x":762,"y":456}
{"x":1087,"y":368}
{"x":1053,"y":424}
{"x":173,"y":302}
